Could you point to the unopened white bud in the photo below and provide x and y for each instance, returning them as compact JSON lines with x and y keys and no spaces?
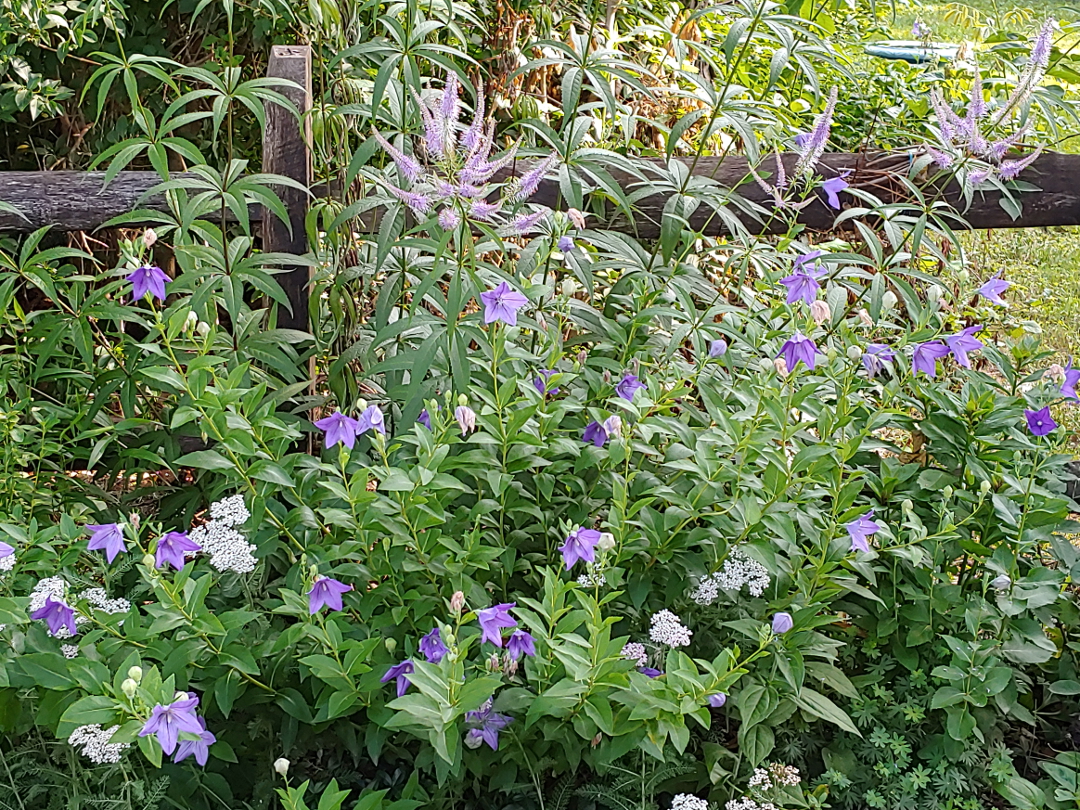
{"x":888,"y":300}
{"x":129,"y":687}
{"x":780,"y":364}
{"x":819,"y":311}
{"x":606,"y":541}
{"x":281,"y":766}
{"x":854,"y":353}
{"x":203,"y":328}
{"x":149,"y":238}
{"x":864,"y":316}
{"x":576,"y":217}
{"x":135,"y":673}
{"x":984,"y":487}
{"x":1001,"y":583}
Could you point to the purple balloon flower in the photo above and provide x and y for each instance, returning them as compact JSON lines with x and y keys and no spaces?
{"x":580,"y":545}
{"x":832,"y":188}
{"x":148,"y":280}
{"x":926,"y":356}
{"x":595,"y":433}
{"x":540,"y":382}
{"x":1040,"y":422}
{"x":502,"y":304}
{"x":1068,"y":385}
{"x":875,"y":357}
{"x":424,"y":419}
{"x":371,"y":418}
{"x":200,"y":748}
{"x":520,"y":643}
{"x":799,"y":348}
{"x":484,"y":726}
{"x":6,"y":550}
{"x":326,"y":592}
{"x":717,"y":348}
{"x":782,"y":622}
{"x":339,"y":428}
{"x":717,"y":700}
{"x":993,"y":288}
{"x":172,"y":548}
{"x":565,"y":244}
{"x":650,"y":672}
{"x":962,"y":343}
{"x":628,"y":386}
{"x":401,"y":673}
{"x":432,"y":646}
{"x":493,"y":620}
{"x":166,"y":722}
{"x":56,"y":614}
{"x":802,"y":284}
{"x":860,"y":531}
{"x":106,"y":537}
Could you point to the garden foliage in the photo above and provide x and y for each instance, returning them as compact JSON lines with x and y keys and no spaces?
{"x":589,"y":520}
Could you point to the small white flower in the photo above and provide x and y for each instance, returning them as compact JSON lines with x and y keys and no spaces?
{"x":231,"y":511}
{"x":633,"y":651}
{"x":69,"y":650}
{"x":7,"y":563}
{"x":227,"y":548}
{"x":666,"y":628}
{"x":100,"y":600}
{"x":688,"y":801}
{"x":281,"y":766}
{"x":94,"y":741}
{"x":739,"y":571}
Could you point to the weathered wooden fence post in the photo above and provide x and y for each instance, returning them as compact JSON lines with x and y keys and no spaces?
{"x":286,"y":151}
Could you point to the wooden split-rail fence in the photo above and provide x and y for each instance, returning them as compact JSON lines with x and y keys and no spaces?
{"x":80,"y":201}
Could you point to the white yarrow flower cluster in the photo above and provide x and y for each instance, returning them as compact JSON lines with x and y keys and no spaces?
{"x":688,"y":801}
{"x":739,"y":571}
{"x":635,"y":652}
{"x":746,"y":803}
{"x":228,"y":549}
{"x":94,"y":741}
{"x":7,"y":563}
{"x":666,"y":628}
{"x":70,"y":650}
{"x":100,"y":600}
{"x":776,"y":774}
{"x":593,"y":576}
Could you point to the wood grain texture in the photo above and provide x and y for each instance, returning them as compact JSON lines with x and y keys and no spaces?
{"x":286,"y":152}
{"x":73,"y":201}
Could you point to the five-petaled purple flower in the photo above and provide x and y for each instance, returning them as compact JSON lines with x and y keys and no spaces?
{"x":962,"y":343}
{"x":1040,"y":422}
{"x":926,"y":356}
{"x":106,"y":537}
{"x":148,"y":280}
{"x":565,"y":244}
{"x":339,"y":428}
{"x":717,"y":700}
{"x":782,"y":622}
{"x":993,"y":288}
{"x":370,"y":419}
{"x":580,"y":545}
{"x":595,"y":433}
{"x":1068,"y":385}
{"x":484,"y":726}
{"x":400,"y":672}
{"x":493,"y":620}
{"x":875,"y":357}
{"x":520,"y":643}
{"x":502,"y":304}
{"x":628,"y":386}
{"x":860,"y":530}
{"x":200,"y":747}
{"x":166,"y":722}
{"x":799,"y":347}
{"x":540,"y":382}
{"x":172,"y":548}
{"x":802,"y":284}
{"x":326,"y":592}
{"x":56,"y":614}
{"x":432,"y":646}
{"x":832,"y":188}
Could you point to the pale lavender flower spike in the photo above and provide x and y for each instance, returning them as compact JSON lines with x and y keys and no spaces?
{"x":409,"y":166}
{"x":811,"y":151}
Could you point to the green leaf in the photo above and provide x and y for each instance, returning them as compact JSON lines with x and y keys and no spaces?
{"x":818,"y":705}
{"x":205,"y":460}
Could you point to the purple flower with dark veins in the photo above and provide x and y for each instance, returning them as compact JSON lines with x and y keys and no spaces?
{"x":595,"y":433}
{"x":493,"y":620}
{"x":106,"y":537}
{"x":628,"y":386}
{"x":799,"y":348}
{"x":401,"y":673}
{"x":339,"y":429}
{"x":484,"y":727}
{"x":326,"y":592}
{"x":832,"y":188}
{"x":926,"y":356}
{"x":1040,"y":422}
{"x":520,"y":643}
{"x":200,"y":748}
{"x":432,"y":646}
{"x":371,"y":419}
{"x":802,"y":284}
{"x":992,"y":289}
{"x":502,"y":304}
{"x":962,"y":343}
{"x":580,"y":545}
{"x":57,"y":614}
{"x":860,"y":531}
{"x":172,"y":549}
{"x":166,"y":722}
{"x":148,"y":280}
{"x":875,"y":357}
